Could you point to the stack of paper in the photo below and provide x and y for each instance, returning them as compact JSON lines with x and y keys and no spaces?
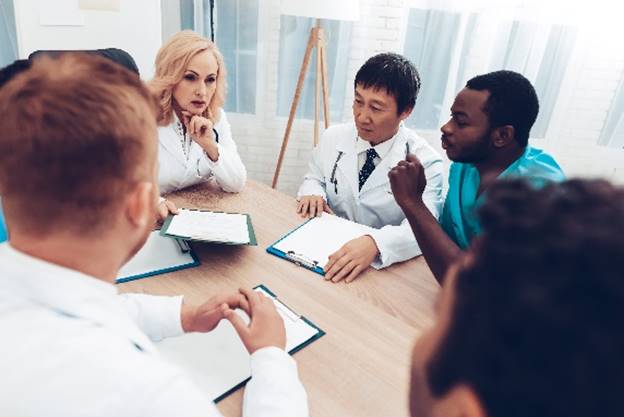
{"x":231,"y":228}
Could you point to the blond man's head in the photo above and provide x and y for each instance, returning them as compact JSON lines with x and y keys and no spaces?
{"x":78,"y":132}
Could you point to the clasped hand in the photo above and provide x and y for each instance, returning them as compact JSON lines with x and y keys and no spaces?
{"x":265,"y":328}
{"x":200,"y":130}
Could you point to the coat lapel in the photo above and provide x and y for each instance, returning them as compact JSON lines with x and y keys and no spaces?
{"x":347,"y":165}
{"x":170,"y":141}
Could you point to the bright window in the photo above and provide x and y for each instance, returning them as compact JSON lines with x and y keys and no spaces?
{"x":236,"y":35}
{"x":294,"y":33}
{"x":450,"y":47}
{"x":8,"y":40}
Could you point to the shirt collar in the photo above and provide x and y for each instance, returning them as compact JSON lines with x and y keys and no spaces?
{"x":382,"y":149}
{"x":37,"y":274}
{"x":66,"y":291}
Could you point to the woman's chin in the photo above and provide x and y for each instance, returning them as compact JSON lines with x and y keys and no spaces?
{"x":194,"y":110}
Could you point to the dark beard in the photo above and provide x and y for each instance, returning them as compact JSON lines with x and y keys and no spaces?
{"x":478,"y":152}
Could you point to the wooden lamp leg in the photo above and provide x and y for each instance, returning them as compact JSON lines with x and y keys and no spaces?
{"x":293,"y":106}
{"x":317,"y":85}
{"x":322,"y":48}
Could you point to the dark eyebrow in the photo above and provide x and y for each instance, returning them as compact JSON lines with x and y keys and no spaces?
{"x":460,"y":113}
{"x":379,"y":103}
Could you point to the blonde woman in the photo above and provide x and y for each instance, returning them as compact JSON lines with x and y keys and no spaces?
{"x":195,"y":140}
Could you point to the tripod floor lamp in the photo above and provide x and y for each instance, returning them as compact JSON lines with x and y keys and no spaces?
{"x":319,"y":9}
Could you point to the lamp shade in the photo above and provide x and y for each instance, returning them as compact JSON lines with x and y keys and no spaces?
{"x":322,"y":9}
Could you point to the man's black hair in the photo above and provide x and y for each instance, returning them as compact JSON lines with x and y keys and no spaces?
{"x":10,"y":71}
{"x":393,"y":73}
{"x":512,"y":101}
{"x":536,"y":324}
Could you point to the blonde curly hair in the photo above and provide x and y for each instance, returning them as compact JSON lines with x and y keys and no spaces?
{"x":171,"y":63}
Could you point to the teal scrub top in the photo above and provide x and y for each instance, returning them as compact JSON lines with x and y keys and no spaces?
{"x":3,"y":231}
{"x":459,"y":217}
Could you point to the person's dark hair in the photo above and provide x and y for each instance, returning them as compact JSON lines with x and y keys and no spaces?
{"x":116,"y":55}
{"x":10,"y":71}
{"x":393,"y":73}
{"x":512,"y":101}
{"x":536,"y":327}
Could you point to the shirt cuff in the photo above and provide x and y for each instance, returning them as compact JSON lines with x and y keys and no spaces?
{"x":268,"y":361}
{"x":381,"y":259}
{"x":310,"y":187}
{"x":158,"y":316}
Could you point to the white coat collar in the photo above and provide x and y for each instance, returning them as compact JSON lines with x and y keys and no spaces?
{"x":67,"y":292}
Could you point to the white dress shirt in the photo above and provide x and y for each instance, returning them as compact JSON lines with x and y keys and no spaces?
{"x":182,"y":162}
{"x":333,"y":174}
{"x":71,"y":346}
{"x":382,"y":150}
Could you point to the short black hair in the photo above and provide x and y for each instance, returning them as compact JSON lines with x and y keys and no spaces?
{"x":394,"y":73}
{"x":513,"y":101}
{"x":117,"y":55}
{"x":536,"y":325}
{"x":11,"y":70}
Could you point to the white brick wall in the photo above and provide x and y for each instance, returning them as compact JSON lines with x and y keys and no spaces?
{"x":577,"y":120}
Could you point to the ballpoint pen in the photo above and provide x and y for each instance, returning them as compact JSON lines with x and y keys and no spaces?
{"x":407,"y":150}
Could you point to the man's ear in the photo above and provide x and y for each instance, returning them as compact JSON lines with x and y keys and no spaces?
{"x":460,"y":401}
{"x":140,"y":204}
{"x":406,"y":113}
{"x":502,"y":136}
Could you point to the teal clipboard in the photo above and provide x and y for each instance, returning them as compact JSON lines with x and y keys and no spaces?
{"x":320,"y":333}
{"x":159,"y":255}
{"x":295,"y":258}
{"x":250,"y":230}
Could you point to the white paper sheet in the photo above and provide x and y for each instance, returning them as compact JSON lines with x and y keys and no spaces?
{"x":158,"y":253}
{"x":206,"y":225}
{"x":218,"y":361}
{"x":320,"y":237}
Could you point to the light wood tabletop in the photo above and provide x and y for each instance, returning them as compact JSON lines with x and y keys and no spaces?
{"x":361,"y":366}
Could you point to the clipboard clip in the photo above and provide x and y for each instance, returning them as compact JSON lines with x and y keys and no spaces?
{"x":301,"y":260}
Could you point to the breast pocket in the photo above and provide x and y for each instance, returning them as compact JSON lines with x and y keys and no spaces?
{"x":337,"y":189}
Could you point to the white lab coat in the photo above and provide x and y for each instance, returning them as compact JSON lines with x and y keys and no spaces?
{"x":72,"y":347}
{"x":374,"y":205}
{"x":176,"y":171}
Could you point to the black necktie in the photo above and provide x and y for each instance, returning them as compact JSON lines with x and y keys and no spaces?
{"x":368,"y":166}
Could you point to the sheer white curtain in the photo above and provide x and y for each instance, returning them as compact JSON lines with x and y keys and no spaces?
{"x":236,"y":35}
{"x":294,"y":32}
{"x":8,"y":40}
{"x":450,"y":42}
{"x":613,"y":130}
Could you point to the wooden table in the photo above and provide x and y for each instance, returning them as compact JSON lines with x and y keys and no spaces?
{"x":361,"y":366}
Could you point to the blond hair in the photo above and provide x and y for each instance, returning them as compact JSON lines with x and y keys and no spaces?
{"x":172,"y":61}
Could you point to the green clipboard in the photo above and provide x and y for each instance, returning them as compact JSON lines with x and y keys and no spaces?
{"x":250,"y":230}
